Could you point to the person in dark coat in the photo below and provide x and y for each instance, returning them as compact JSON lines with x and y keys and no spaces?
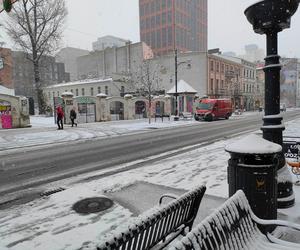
{"x":59,"y":117}
{"x":73,"y":116}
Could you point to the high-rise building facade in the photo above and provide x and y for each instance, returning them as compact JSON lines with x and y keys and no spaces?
{"x":163,"y":20}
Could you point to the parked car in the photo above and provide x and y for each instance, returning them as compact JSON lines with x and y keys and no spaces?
{"x":282,"y":107}
{"x":213,"y":109}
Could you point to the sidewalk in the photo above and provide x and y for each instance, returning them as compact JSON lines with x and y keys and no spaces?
{"x":51,"y":223}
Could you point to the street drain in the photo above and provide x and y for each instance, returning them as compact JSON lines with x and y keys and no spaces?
{"x":92,"y":205}
{"x":152,"y":128}
{"x":53,"y":191}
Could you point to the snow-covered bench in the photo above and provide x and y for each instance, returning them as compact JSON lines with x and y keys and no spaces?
{"x":160,"y":225}
{"x":234,"y":226}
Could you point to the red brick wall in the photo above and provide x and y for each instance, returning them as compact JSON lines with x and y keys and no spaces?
{"x":6,"y":71}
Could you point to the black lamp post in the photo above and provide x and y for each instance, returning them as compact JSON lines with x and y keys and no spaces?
{"x":270,"y":17}
{"x":176,"y":118}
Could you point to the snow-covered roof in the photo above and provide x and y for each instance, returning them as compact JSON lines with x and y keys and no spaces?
{"x":182,"y":87}
{"x":86,"y":81}
{"x":67,"y":94}
{"x":101,"y":95}
{"x":6,"y":91}
{"x":253,"y":144}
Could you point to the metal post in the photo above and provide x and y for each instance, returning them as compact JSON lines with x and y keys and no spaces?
{"x":271,"y":17}
{"x":272,"y":130}
{"x":176,"y":94}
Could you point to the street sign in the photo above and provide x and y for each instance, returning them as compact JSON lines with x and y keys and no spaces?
{"x":291,"y":149}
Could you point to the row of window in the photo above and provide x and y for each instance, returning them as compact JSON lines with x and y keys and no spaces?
{"x":83,"y":91}
{"x":248,"y":73}
{"x":247,"y":88}
{"x":158,"y":20}
{"x":160,"y":5}
{"x":221,"y":67}
{"x":155,"y":5}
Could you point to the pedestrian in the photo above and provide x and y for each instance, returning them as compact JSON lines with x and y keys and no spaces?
{"x":73,"y":116}
{"x":59,"y":117}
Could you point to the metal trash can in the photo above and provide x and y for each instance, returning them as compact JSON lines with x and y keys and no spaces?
{"x":252,"y":168}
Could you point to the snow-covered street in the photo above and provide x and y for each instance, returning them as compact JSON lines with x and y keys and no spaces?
{"x":51,"y":223}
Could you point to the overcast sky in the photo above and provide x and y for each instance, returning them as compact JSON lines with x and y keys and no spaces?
{"x":228,"y":28}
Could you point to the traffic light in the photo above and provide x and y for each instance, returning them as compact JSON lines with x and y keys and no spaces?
{"x":7,"y":5}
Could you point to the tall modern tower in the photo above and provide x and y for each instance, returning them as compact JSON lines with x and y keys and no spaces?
{"x":163,"y":20}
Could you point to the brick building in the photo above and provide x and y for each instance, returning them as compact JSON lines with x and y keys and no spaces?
{"x":6,"y":68}
{"x":163,"y":20}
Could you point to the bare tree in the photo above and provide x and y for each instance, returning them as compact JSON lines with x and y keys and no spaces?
{"x":36,"y":27}
{"x":147,"y":82}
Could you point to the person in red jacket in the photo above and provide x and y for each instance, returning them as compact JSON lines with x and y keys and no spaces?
{"x":59,"y":117}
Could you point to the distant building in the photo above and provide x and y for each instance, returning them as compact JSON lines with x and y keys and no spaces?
{"x":68,"y":56}
{"x":253,"y":53}
{"x":163,"y":21}
{"x":6,"y":68}
{"x":290,"y":82}
{"x":108,"y":42}
{"x":114,"y":62}
{"x":23,"y":74}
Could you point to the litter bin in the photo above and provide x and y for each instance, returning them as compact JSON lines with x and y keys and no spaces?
{"x":252,"y":167}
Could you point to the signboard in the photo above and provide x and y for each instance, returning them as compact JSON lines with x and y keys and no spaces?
{"x":1,"y":63}
{"x":291,"y":149}
{"x":69,"y":102}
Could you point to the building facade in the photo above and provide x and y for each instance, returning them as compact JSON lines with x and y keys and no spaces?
{"x":6,"y":68}
{"x":234,"y":78}
{"x":68,"y":57}
{"x":114,"y":62}
{"x":191,"y":67}
{"x":51,"y":72}
{"x":169,"y":24}
{"x":289,"y":80}
{"x":108,"y":42}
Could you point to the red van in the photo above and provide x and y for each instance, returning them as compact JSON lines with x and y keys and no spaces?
{"x":213,"y":109}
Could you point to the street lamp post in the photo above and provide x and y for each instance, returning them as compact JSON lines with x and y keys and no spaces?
{"x":270,"y":17}
{"x":176,"y":118}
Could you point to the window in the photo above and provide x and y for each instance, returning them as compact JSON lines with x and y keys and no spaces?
{"x":92,"y":91}
{"x":122,"y":90}
{"x":57,"y":93}
{"x":211,"y":65}
{"x":211,"y":85}
{"x":76,"y":92}
{"x":217,"y":66}
{"x":106,"y":90}
{"x":71,"y":90}
{"x":222,"y":68}
{"x":53,"y":94}
{"x":163,"y":18}
{"x":99,"y":90}
{"x":82,"y":91}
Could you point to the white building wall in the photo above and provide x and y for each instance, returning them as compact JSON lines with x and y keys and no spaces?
{"x":113,"y":88}
{"x":195,"y":75}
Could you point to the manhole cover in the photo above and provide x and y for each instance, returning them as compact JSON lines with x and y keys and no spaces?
{"x":92,"y":205}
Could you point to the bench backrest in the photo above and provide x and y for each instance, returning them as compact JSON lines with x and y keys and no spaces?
{"x":157,"y":223}
{"x":229,"y":227}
